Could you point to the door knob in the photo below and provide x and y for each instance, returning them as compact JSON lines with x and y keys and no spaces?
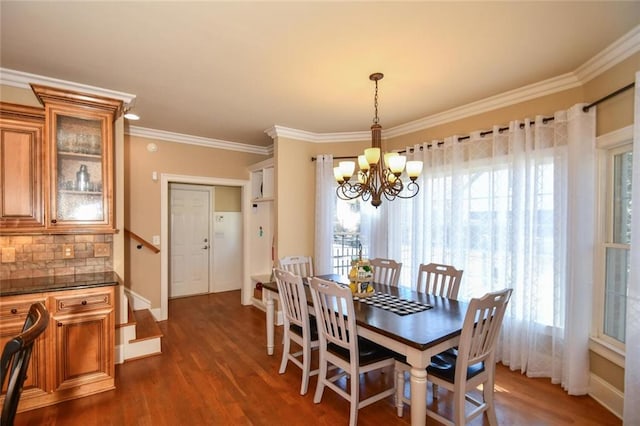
{"x":205,"y":247}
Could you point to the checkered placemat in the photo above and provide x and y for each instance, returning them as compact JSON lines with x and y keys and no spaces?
{"x":393,"y":303}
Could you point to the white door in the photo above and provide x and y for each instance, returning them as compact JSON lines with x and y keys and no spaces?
{"x":190,"y":245}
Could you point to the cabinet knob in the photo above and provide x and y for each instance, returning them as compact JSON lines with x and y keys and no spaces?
{"x":14,"y":311}
{"x":84,"y":302}
{"x":54,"y":221}
{"x":59,"y":324}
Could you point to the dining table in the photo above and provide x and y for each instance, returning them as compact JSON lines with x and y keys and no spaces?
{"x":431,"y":329}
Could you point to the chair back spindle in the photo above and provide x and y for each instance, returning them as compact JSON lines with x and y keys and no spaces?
{"x":386,"y":271}
{"x":298,"y":265}
{"x":440,"y":280}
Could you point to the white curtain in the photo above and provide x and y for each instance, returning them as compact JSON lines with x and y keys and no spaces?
{"x":325,"y":213}
{"x":632,"y":339}
{"x":514,"y":208}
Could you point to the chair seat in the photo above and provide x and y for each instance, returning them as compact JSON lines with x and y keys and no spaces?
{"x":443,"y":366}
{"x":369,"y":351}
{"x":451,"y":352}
{"x":312,"y":325}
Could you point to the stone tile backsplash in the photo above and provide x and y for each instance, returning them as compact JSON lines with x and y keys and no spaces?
{"x":27,"y":256}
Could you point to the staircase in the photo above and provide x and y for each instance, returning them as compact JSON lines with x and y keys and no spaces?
{"x":139,"y":337}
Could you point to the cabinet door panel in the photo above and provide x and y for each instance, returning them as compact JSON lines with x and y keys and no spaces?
{"x":21,"y":191}
{"x":83,"y":351}
{"x":80,"y":168}
{"x":13,"y":312}
{"x":35,"y":384}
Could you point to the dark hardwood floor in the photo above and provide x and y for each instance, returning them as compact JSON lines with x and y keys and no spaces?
{"x":214,"y":370}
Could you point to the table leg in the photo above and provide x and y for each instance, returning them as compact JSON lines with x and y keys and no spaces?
{"x":269,"y":304}
{"x":418,"y":396}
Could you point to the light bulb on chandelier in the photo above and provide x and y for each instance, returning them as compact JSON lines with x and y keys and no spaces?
{"x":379,"y":175}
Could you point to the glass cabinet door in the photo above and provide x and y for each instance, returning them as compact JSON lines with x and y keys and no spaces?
{"x":79,"y":170}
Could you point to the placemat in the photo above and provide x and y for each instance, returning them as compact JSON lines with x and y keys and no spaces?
{"x":393,"y":303}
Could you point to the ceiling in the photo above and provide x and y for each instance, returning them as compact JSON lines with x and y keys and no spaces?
{"x":231,"y":70}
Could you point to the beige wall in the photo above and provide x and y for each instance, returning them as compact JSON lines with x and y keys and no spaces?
{"x":142,"y":197}
{"x":295,"y":191}
{"x":228,"y":199}
{"x":616,"y":112}
{"x":18,"y":96}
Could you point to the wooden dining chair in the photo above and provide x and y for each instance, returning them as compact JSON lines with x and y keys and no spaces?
{"x":474,"y":363}
{"x":341,"y":347}
{"x":15,"y":360}
{"x":299,"y":265}
{"x":298,"y":326}
{"x":439,"y":280}
{"x":386,"y":271}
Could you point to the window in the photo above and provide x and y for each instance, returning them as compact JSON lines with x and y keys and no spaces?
{"x":346,"y":235}
{"x":616,"y":244}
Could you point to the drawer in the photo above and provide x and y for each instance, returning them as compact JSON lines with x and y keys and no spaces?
{"x":80,"y":303}
{"x":17,"y":309}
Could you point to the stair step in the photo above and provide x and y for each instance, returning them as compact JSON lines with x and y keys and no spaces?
{"x":131,"y":320}
{"x":146,"y":326}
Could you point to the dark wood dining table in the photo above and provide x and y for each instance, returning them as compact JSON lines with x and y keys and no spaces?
{"x":418,"y":336}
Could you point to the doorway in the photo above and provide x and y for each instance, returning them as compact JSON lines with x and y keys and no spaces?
{"x":190,"y":247}
{"x":165,"y":181}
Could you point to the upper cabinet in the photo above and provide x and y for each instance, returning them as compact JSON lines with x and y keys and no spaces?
{"x":21,"y":168}
{"x":79,"y":146}
{"x":69,"y":182}
{"x":262,"y":184}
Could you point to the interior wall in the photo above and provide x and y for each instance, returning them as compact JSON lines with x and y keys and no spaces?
{"x":142,"y":197}
{"x":228,"y":199}
{"x":295,"y":191}
{"x":616,"y":112}
{"x":19,"y":96}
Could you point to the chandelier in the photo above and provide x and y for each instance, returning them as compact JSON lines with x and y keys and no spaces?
{"x":379,"y":174}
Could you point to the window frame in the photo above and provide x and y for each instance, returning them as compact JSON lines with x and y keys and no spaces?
{"x":608,"y":145}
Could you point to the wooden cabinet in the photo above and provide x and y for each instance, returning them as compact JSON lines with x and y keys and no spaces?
{"x":56,"y":172}
{"x":83,"y":329}
{"x":75,"y":355}
{"x":12,"y":315}
{"x":21,"y":168}
{"x":79,"y":160}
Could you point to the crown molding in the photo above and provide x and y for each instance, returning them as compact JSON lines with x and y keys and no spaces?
{"x":615,"y":53}
{"x":303,"y":135}
{"x":197,"y":140}
{"x":23,"y":80}
{"x":522,"y":94}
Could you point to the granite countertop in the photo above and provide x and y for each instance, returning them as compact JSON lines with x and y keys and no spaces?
{"x":12,"y":287}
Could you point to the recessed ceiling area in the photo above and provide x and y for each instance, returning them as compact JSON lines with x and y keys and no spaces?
{"x":231,"y":70}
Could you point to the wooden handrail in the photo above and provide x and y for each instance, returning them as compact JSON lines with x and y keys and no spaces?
{"x":142,"y":241}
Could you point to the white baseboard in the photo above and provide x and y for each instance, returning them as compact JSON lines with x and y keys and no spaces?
{"x":118,"y":354}
{"x":137,"y":302}
{"x":608,"y":396}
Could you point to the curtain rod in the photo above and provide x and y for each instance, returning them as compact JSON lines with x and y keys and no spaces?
{"x":502,"y":129}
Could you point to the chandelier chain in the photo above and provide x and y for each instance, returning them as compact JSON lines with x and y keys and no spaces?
{"x":376,"y":120}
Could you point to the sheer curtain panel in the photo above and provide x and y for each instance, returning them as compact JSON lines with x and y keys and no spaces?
{"x":513,"y":208}
{"x":325,"y":212}
{"x":632,"y":340}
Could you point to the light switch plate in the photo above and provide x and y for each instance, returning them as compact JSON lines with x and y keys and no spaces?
{"x":101,"y":250}
{"x":68,"y":251}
